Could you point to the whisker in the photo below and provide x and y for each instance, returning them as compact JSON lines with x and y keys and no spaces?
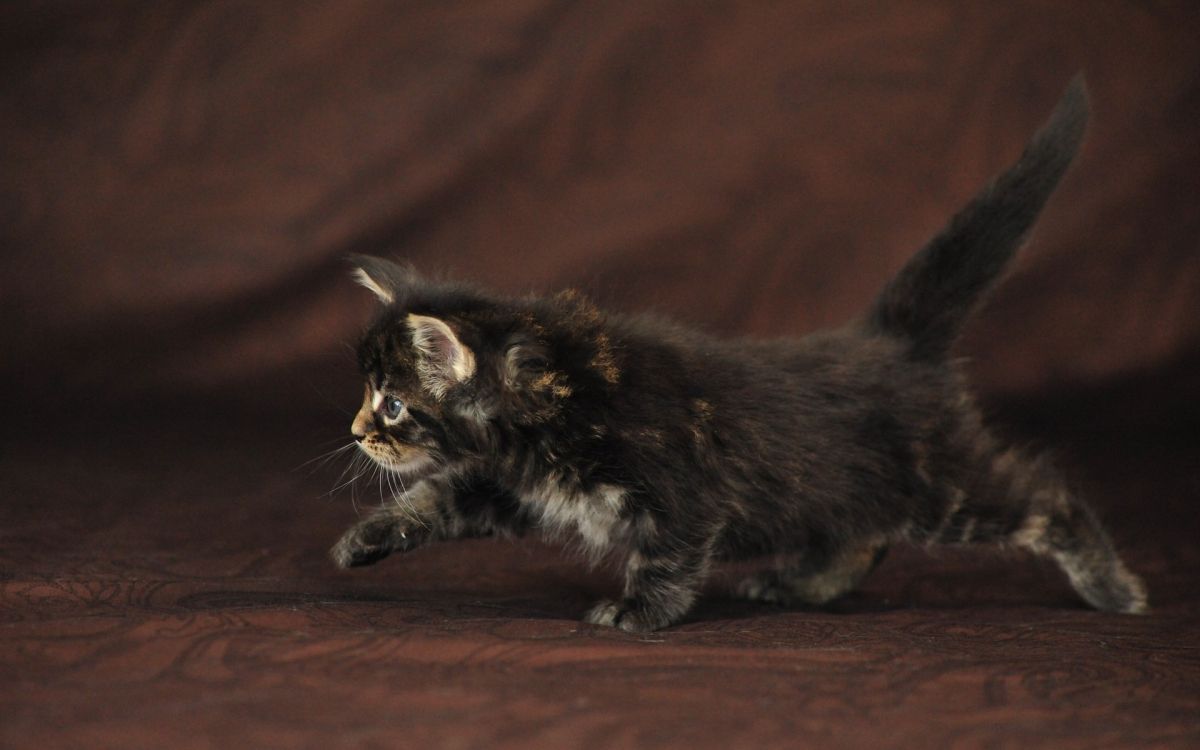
{"x":391,"y":482}
{"x":410,"y":509}
{"x":354,"y":487}
{"x":350,"y":482}
{"x":324,"y":458}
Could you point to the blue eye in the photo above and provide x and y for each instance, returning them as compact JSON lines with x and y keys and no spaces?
{"x":392,"y":407}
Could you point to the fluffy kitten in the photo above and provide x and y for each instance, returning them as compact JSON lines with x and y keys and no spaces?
{"x":674,"y":449}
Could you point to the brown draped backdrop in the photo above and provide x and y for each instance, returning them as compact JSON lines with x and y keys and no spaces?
{"x":180,"y":183}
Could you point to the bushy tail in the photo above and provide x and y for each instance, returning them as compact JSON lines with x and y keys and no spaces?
{"x":930,"y":298}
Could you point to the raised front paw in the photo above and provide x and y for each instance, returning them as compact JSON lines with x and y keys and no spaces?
{"x":370,"y":541}
{"x":621,"y":615}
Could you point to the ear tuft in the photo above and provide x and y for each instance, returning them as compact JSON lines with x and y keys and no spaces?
{"x":384,"y":278}
{"x":386,"y":296}
{"x":445,"y":359}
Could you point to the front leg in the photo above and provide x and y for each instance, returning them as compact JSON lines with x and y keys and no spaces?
{"x":435,"y":509}
{"x":663,"y":576}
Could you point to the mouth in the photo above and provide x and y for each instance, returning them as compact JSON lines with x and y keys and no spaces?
{"x":416,"y":462}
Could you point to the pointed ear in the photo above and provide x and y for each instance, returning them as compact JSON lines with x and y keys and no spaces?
{"x":524,"y":359}
{"x":445,"y":359}
{"x":387,"y":280}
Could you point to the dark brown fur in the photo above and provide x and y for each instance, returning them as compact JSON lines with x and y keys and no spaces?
{"x":674,"y":449}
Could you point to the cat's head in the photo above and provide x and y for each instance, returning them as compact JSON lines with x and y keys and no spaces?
{"x":449,"y":368}
{"x":413,"y":360}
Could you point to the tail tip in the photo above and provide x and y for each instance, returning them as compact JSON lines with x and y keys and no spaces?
{"x":1071,"y":115}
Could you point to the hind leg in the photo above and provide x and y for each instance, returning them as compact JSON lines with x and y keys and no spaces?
{"x":815,"y":582}
{"x":1070,"y":534}
{"x":1025,"y":503}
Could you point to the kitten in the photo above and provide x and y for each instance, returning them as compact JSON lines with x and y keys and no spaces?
{"x":673,"y":449}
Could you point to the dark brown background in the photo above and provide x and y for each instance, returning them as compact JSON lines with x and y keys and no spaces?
{"x":179,"y":184}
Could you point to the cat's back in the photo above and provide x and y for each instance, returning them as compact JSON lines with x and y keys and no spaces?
{"x":826,"y":384}
{"x":830,"y":387}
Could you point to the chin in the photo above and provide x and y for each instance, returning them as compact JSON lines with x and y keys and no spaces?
{"x":418,"y":466}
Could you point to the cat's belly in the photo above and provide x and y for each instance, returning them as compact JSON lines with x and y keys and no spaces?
{"x":592,"y":518}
